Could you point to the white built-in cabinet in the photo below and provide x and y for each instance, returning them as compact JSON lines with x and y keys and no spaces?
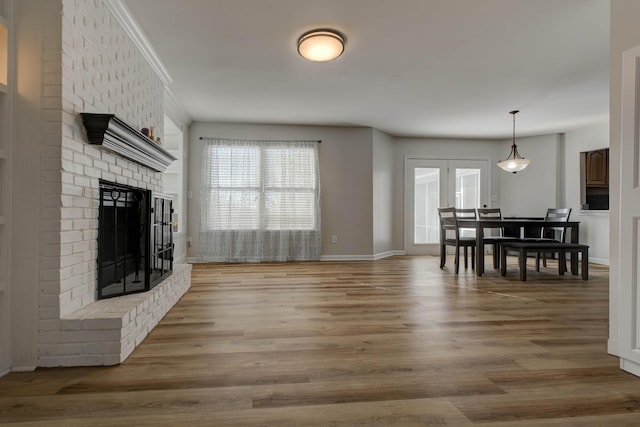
{"x":6,"y":88}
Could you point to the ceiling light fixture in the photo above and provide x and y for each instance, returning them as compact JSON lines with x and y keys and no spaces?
{"x":515,"y":162}
{"x":321,"y":45}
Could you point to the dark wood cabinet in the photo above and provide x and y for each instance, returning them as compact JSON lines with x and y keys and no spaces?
{"x":597,"y":168}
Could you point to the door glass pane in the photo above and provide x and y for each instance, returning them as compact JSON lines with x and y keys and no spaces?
{"x":467,"y":193}
{"x":426,"y":201}
{"x":467,"y":188}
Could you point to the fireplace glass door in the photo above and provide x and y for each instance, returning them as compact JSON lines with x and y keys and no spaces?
{"x":123,"y":233}
{"x":161,"y":239}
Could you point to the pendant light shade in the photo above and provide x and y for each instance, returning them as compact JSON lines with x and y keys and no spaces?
{"x":515,"y":162}
{"x":321,"y":45}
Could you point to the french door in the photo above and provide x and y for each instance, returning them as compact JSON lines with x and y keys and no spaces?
{"x":434,"y":183}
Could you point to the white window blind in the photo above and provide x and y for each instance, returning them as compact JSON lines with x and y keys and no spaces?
{"x":254,"y":187}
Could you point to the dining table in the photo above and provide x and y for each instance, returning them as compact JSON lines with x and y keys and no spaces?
{"x":523,"y":224}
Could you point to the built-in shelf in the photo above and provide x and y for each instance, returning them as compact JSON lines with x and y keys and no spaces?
{"x":113,"y":133}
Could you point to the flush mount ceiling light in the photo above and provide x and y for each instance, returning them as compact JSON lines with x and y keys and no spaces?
{"x":515,"y":162}
{"x":321,"y":45}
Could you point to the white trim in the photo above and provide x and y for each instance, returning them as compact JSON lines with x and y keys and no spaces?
{"x":347,"y":258}
{"x":175,"y":110}
{"x":388,"y":254}
{"x":612,"y":347}
{"x":594,"y":213}
{"x":601,"y":261}
{"x":123,"y":15}
{"x":5,"y":372}
{"x":194,"y":260}
{"x":23,"y":368}
{"x":629,"y":366}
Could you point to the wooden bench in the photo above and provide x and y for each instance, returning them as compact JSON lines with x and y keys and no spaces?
{"x":524,"y":248}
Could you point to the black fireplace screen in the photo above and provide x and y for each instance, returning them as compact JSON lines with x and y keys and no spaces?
{"x":135,"y":251}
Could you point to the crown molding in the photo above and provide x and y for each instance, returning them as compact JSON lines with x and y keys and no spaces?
{"x":123,"y":15}
{"x":174,"y":108}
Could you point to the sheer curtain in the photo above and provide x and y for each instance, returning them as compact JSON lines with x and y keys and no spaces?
{"x":260,"y":201}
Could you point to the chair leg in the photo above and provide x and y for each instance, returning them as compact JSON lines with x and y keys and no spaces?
{"x":522,"y":261}
{"x":496,"y":256}
{"x":457,"y":259}
{"x":585,"y":264}
{"x":544,"y":259}
{"x":562,"y":267}
{"x":473,"y":257}
{"x":503,"y":261}
{"x":538,"y":261}
{"x":443,"y":255}
{"x":466,"y":261}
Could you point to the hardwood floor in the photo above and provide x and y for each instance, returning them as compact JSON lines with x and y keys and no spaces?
{"x":392,"y":342}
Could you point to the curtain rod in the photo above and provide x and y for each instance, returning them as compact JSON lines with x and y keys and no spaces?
{"x":264,"y":140}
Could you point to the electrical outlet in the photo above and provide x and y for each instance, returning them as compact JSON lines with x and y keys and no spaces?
{"x":334,"y":239}
{"x":188,"y":242}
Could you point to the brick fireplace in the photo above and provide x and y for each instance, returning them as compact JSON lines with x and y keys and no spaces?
{"x":104,"y":332}
{"x":91,"y":64}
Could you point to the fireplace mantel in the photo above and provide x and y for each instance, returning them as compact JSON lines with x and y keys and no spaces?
{"x":115,"y":134}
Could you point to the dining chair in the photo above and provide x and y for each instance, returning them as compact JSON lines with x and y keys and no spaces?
{"x":494,"y":241}
{"x":449,"y":226}
{"x":552,"y":234}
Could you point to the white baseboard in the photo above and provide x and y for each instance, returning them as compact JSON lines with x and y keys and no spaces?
{"x":602,"y":261}
{"x":194,"y":260}
{"x":346,"y":258}
{"x":360,"y":257}
{"x":389,"y":254}
{"x":23,"y":369}
{"x":612,"y":347}
{"x":5,"y":372}
{"x":630,"y":366}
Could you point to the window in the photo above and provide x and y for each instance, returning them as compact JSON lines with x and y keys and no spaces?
{"x":271,"y":188}
{"x":260,"y":201}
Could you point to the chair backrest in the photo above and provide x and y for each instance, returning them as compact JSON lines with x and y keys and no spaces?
{"x":466,"y":213}
{"x":556,"y":214}
{"x":493,"y":213}
{"x":489,"y":213}
{"x":447,"y":221}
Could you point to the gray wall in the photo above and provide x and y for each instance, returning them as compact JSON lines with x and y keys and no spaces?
{"x":383,"y":163}
{"x":594,"y":226}
{"x":538,"y":187}
{"x":346,"y":158}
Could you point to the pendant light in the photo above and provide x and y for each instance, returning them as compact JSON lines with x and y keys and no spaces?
{"x":515,"y":162}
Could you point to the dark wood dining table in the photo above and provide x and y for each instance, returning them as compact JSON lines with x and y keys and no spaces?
{"x":522,"y":224}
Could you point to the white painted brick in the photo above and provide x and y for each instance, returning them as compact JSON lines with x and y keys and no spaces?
{"x":70,"y":307}
{"x":71,"y":236}
{"x":49,"y":325}
{"x":66,"y":225}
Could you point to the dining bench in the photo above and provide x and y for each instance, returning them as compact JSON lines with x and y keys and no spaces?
{"x":561,"y":248}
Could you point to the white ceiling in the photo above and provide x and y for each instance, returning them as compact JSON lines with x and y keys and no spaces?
{"x":439,"y":68}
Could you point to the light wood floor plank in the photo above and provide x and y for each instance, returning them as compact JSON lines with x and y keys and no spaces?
{"x":390,"y":342}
